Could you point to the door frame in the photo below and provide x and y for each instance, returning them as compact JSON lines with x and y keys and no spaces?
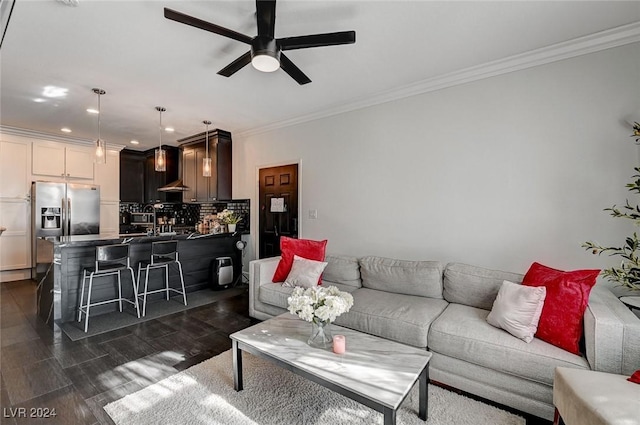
{"x":256,"y":205}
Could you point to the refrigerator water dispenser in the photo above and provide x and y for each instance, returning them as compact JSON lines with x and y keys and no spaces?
{"x":51,"y":218}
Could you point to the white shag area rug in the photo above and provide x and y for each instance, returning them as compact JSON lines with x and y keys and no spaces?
{"x":204,"y":394}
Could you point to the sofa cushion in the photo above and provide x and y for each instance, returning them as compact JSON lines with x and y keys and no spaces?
{"x":462,"y":332}
{"x":277,"y":295}
{"x":304,"y":273}
{"x":474,"y":286}
{"x":343,"y":270}
{"x":398,"y":317}
{"x":421,"y":278}
{"x":305,"y":248}
{"x":517,"y":309}
{"x":567,"y":299}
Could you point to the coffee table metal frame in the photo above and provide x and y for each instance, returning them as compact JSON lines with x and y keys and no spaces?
{"x":387,"y":410}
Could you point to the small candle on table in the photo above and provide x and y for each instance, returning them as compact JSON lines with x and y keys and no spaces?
{"x":339,"y":344}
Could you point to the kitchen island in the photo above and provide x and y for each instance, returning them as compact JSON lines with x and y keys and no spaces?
{"x":59,"y":273}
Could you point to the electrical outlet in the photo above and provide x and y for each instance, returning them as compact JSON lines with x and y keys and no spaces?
{"x":313,"y":214}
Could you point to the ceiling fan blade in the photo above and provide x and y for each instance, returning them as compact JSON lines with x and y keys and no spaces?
{"x":266,"y":17}
{"x":204,"y":25}
{"x":236,"y":65}
{"x":317,"y":40}
{"x":293,"y":71}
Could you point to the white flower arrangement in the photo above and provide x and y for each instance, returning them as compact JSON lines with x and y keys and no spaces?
{"x":228,"y":217}
{"x":319,"y":304}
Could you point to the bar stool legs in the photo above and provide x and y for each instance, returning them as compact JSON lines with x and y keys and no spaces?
{"x":163,"y":254}
{"x":166,"y":288}
{"x":110,"y":260}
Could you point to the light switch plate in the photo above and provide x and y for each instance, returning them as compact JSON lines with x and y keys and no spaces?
{"x":313,"y":214}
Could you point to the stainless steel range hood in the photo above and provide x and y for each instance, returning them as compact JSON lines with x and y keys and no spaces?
{"x":174,"y":186}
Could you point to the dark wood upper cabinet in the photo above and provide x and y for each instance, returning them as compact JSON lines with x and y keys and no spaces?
{"x":132,"y":171}
{"x":155,"y":179}
{"x":216,"y":187}
{"x":139,"y":181}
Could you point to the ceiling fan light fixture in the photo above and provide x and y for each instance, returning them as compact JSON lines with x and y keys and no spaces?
{"x":265,"y":54}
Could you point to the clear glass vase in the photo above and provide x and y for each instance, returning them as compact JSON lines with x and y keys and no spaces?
{"x":320,"y":334}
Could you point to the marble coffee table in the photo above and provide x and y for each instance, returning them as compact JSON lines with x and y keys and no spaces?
{"x":374,"y":371}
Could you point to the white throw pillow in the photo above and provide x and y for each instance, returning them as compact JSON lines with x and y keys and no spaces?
{"x":304,"y":273}
{"x":517,"y":309}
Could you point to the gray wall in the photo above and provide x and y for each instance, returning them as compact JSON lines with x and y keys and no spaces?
{"x":499,"y":172}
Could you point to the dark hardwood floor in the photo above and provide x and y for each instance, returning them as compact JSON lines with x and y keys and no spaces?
{"x":42,"y":369}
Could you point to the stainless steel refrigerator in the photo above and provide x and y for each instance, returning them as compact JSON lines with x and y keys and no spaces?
{"x":62,"y":209}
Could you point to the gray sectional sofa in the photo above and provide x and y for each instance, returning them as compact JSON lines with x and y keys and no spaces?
{"x":444,"y":308}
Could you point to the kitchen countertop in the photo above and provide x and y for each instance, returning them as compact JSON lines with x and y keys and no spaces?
{"x":102,"y":238}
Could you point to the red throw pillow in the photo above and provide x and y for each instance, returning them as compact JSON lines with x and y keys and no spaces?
{"x":635,"y":378}
{"x":567,"y":298}
{"x":305,"y":248}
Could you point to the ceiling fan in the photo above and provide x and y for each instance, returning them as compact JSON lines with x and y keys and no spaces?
{"x":266,"y":50}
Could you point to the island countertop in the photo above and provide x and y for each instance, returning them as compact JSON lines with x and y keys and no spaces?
{"x":114,"y":238}
{"x":60,"y":273}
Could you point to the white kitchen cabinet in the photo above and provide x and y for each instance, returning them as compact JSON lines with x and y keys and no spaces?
{"x":108,"y":177}
{"x":109,"y":217}
{"x":15,"y":248}
{"x":48,"y":159}
{"x":62,"y":160}
{"x":14,"y":170}
{"x":15,"y":211}
{"x":79,"y":162}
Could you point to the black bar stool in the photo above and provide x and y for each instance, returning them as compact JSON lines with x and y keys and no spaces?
{"x":110,"y":260}
{"x":163,"y":254}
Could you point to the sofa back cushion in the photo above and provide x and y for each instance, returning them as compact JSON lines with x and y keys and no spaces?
{"x":474,"y":286}
{"x":343,"y":270}
{"x":421,"y":278}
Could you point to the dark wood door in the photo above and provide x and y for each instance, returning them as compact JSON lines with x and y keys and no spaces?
{"x":277,"y":183}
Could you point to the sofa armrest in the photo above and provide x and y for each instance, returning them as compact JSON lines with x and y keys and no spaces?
{"x":612,"y":334}
{"x":261,"y":271}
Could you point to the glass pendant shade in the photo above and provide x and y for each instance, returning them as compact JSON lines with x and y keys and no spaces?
{"x":161,"y":154}
{"x":161,"y":160}
{"x":206,"y":161}
{"x":206,"y":167}
{"x":101,"y":152}
{"x":100,"y":156}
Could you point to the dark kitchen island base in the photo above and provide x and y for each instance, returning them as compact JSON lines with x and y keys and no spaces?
{"x":60,"y":277}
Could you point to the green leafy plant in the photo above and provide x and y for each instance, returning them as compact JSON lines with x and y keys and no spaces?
{"x":636,"y":132}
{"x":628,"y":273}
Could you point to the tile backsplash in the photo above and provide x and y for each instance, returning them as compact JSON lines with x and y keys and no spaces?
{"x":191,"y":213}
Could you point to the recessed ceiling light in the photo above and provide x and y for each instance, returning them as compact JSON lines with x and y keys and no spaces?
{"x":53,"y":91}
{"x":65,"y":129}
{"x":39,"y":100}
{"x":134,"y":142}
{"x":169,"y":129}
{"x":93,"y":111}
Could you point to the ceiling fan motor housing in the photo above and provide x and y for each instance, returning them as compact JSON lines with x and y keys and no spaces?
{"x":265,"y":53}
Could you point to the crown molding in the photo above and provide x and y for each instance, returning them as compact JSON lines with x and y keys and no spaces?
{"x":592,"y":43}
{"x":33,"y":134}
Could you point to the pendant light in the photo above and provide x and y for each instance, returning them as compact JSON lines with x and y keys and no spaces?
{"x":101,"y":146}
{"x":206,"y":161}
{"x":161,"y":154}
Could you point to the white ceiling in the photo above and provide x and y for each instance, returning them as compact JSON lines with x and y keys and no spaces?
{"x":143,"y":60}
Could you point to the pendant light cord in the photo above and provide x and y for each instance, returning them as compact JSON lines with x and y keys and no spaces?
{"x":99,"y":115}
{"x":160,"y":129}
{"x":206,"y":140}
